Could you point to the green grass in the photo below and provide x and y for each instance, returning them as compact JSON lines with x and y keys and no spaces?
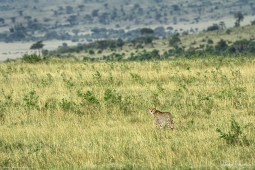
{"x":66,"y":114}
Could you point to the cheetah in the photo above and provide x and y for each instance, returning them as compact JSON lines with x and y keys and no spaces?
{"x":162,"y":118}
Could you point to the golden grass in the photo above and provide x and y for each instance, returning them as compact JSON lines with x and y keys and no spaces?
{"x":45,"y":124}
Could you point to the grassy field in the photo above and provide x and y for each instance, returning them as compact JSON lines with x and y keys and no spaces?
{"x":65,"y":114}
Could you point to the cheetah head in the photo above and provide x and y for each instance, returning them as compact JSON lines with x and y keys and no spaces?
{"x":152,"y":110}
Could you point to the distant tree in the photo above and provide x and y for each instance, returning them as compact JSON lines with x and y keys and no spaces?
{"x":2,"y":20}
{"x":146,"y":31}
{"x":170,"y":28}
{"x":158,"y":15}
{"x":158,"y":1}
{"x":148,"y":40}
{"x":20,"y":27}
{"x":228,"y":31}
{"x":104,"y":18}
{"x":60,"y":8}
{"x":136,"y":6}
{"x":81,"y":7}
{"x":185,"y":33}
{"x":221,"y":45}
{"x":72,"y":19}
{"x":55,"y":12}
{"x":174,"y":20}
{"x":241,"y":45}
{"x":174,"y":40}
{"x":251,"y":4}
{"x":46,"y":19}
{"x":176,"y":7}
{"x":28,"y":18}
{"x":21,"y":13}
{"x":69,"y":9}
{"x":253,"y":22}
{"x":120,"y":43}
{"x":11,"y":30}
{"x":213,"y":27}
{"x":76,"y":31}
{"x":209,"y":41}
{"x":106,"y":5}
{"x":13,"y":19}
{"x":199,"y":11}
{"x":140,"y":11}
{"x":37,"y":46}
{"x":95,"y":12}
{"x":222,"y":25}
{"x":239,"y":17}
{"x":102,"y":44}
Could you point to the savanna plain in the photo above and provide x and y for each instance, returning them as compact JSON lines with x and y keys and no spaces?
{"x":68,"y":114}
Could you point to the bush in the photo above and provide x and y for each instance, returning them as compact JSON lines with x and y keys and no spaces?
{"x":174,"y":40}
{"x":221,"y":45}
{"x":213,"y":27}
{"x":148,"y":40}
{"x":253,"y":22}
{"x":144,"y":55}
{"x":209,"y":41}
{"x":235,"y":135}
{"x":91,"y":52}
{"x":112,"y":97}
{"x":146,"y":31}
{"x":141,"y":40}
{"x":88,"y":97}
{"x":185,"y":33}
{"x":31,"y":58}
{"x":45,"y":52}
{"x":228,"y":31}
{"x":241,"y":45}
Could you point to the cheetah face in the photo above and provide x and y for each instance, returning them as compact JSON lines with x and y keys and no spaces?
{"x":152,"y":110}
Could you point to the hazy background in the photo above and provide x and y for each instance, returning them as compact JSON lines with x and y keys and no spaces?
{"x":75,"y":22}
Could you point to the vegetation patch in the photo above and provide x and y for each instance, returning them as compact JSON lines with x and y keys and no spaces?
{"x":76,"y":114}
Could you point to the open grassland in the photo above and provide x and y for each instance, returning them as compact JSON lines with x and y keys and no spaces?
{"x":65,"y":114}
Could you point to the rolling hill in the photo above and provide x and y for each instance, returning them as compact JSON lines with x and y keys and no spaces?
{"x":23,"y":20}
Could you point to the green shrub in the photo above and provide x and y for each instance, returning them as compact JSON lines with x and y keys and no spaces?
{"x":144,"y":55}
{"x":221,"y":45}
{"x":174,"y":40}
{"x":88,"y":96}
{"x":141,"y":40}
{"x":228,"y":31}
{"x":67,"y":105}
{"x":91,"y":52}
{"x":209,"y":41}
{"x":185,"y":33}
{"x":31,"y":100}
{"x":241,"y":45}
{"x":112,"y":97}
{"x":235,"y":135}
{"x":31,"y":58}
{"x":213,"y":28}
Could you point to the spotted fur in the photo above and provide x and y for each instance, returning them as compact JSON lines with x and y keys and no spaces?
{"x":162,"y":118}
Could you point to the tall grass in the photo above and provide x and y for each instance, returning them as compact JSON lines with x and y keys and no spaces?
{"x":65,"y":114}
